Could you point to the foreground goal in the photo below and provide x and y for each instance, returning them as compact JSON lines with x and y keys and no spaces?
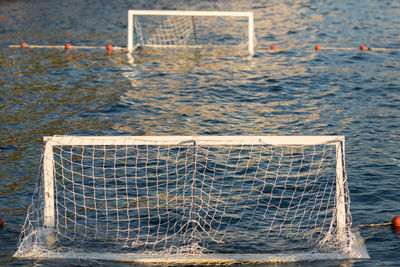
{"x":180,"y":29}
{"x":185,"y":199}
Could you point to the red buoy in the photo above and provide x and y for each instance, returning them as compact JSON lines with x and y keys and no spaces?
{"x":23,"y":44}
{"x":317,"y":47}
{"x":67,"y":46}
{"x":363,"y":48}
{"x":1,"y":222}
{"x":272,"y":47}
{"x":396,"y":222}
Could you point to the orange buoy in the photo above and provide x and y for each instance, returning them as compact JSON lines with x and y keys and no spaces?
{"x":363,"y":48}
{"x":67,"y":46}
{"x":396,"y":222}
{"x":23,"y":44}
{"x":1,"y":222}
{"x":317,"y":47}
{"x":109,"y":49}
{"x":272,"y":47}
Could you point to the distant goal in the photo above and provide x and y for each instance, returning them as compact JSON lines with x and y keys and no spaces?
{"x":192,"y":200}
{"x":183,"y":29}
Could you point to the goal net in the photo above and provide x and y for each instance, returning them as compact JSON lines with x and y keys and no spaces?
{"x":192,"y":200}
{"x":180,"y":29}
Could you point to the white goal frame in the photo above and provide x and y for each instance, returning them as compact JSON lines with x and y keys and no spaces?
{"x":358,"y":250}
{"x":132,"y":13}
{"x":48,"y":162}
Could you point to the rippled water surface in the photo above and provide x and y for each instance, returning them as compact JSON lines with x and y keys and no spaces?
{"x":292,"y":90}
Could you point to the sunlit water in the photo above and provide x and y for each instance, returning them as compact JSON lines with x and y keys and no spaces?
{"x":290,"y":90}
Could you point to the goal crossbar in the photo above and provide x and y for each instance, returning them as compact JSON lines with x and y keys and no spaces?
{"x":200,"y":140}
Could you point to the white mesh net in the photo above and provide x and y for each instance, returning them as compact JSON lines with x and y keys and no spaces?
{"x":165,"y":31}
{"x":148,"y":196}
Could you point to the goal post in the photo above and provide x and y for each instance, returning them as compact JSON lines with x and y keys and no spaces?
{"x":175,"y":28}
{"x":192,"y":200}
{"x":48,"y":175}
{"x":340,"y":191}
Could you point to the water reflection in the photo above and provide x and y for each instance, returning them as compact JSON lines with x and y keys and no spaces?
{"x":292,"y":90}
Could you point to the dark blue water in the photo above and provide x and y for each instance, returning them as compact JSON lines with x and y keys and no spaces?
{"x":293,"y":90}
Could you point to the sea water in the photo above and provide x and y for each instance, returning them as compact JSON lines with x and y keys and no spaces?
{"x":291,"y":90}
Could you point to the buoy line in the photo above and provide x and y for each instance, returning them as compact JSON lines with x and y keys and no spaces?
{"x":272,"y":47}
{"x":362,"y":48}
{"x":395,"y":223}
{"x":375,"y":225}
{"x":68,"y":46}
{"x":320,"y":47}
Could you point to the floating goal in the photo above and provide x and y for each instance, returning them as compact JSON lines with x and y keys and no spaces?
{"x":183,"y":29}
{"x":192,"y":200}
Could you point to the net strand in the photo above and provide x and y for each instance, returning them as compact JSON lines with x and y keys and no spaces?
{"x":191,"y":31}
